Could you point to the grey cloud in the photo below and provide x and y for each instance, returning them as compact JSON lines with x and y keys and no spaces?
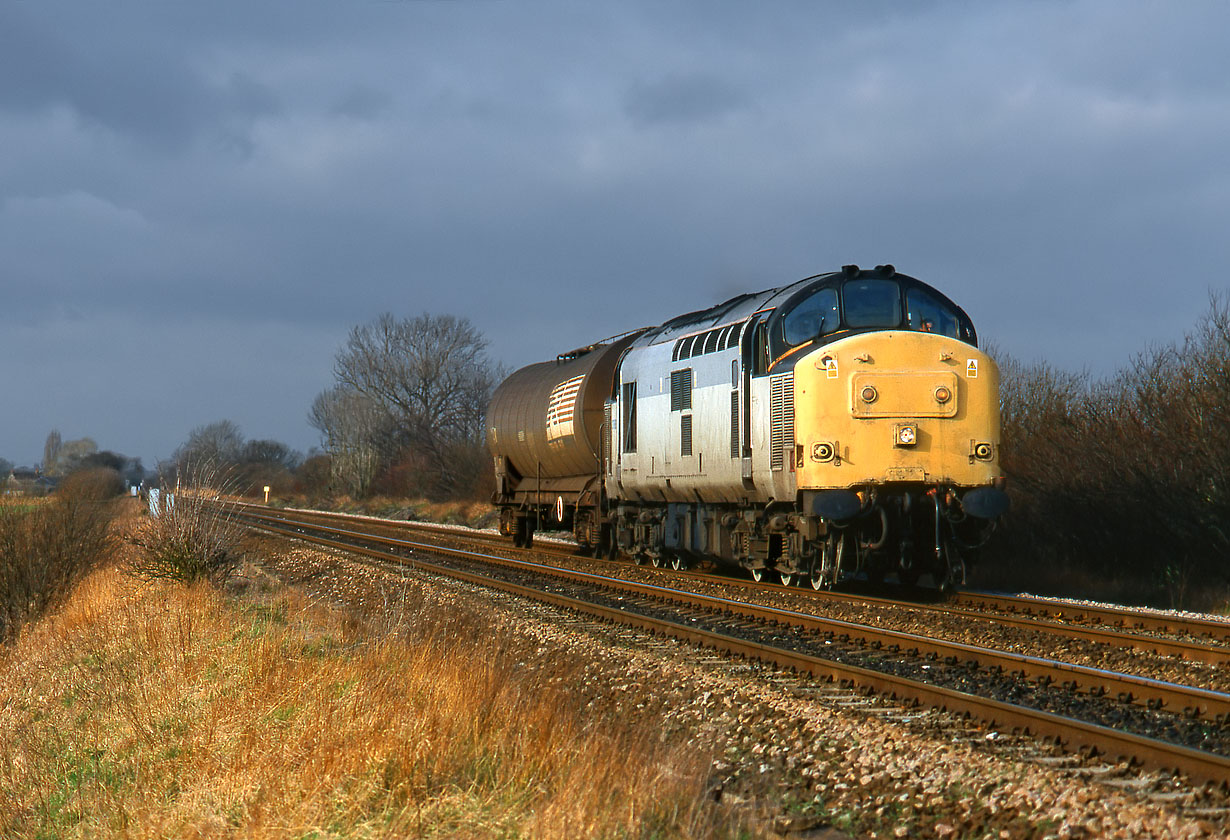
{"x":140,"y":88}
{"x":681,"y":99}
{"x":362,"y":102}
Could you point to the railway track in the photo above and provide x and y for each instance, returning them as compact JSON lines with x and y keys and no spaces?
{"x":1194,"y":639}
{"x":1151,"y":722}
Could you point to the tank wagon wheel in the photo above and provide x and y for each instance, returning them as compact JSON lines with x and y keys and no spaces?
{"x":757,"y":574}
{"x":818,"y":582}
{"x":786,"y":578}
{"x":656,"y":560}
{"x":678,"y":563}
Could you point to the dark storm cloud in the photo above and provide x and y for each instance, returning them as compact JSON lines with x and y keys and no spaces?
{"x":242,"y":182}
{"x":140,"y":89}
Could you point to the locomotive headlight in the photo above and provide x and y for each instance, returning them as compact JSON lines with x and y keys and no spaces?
{"x":942,"y":394}
{"x":822,"y":452}
{"x":869,"y":394}
{"x":907,"y":434}
{"x":983,"y":451}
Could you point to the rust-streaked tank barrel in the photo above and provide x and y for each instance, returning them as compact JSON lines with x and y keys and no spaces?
{"x":546,"y":419}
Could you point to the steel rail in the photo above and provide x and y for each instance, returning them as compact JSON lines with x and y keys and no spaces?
{"x":1145,"y":618}
{"x":1069,"y":732}
{"x":1185,"y":649}
{"x":1143,"y":691}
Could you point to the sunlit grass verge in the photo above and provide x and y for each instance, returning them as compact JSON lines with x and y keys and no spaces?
{"x":153,"y":709}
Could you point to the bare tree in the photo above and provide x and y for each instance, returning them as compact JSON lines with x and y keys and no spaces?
{"x":51,"y":451}
{"x":215,"y":446}
{"x":71,"y":454}
{"x":431,"y":374}
{"x":359,"y":434}
{"x":266,"y":463}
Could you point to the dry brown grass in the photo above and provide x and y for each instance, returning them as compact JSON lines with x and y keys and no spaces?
{"x":151,"y":709}
{"x":475,"y":514}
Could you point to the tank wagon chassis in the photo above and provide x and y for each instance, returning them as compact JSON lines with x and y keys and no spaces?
{"x":843,"y":424}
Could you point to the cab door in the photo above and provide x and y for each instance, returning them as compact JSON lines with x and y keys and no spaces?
{"x":753,"y":359}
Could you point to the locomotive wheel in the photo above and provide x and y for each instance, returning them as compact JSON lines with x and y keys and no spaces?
{"x":818,"y":582}
{"x":678,"y":563}
{"x":757,"y":574}
{"x":656,"y":560}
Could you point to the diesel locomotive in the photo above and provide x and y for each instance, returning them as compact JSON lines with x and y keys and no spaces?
{"x":846,"y":423}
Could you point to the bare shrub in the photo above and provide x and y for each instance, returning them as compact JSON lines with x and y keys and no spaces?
{"x":46,"y":549}
{"x":194,"y":535}
{"x":1121,"y":488}
{"x":97,"y":484}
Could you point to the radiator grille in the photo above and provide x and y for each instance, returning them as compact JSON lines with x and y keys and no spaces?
{"x":734,"y":424}
{"x":681,"y":389}
{"x":781,"y":419}
{"x":685,"y":434}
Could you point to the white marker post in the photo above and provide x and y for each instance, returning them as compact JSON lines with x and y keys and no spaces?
{"x":266,"y":494}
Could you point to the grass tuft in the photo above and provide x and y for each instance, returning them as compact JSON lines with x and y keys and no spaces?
{"x":193,"y":536}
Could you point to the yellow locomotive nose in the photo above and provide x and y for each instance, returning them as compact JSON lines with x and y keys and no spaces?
{"x":897,"y":406}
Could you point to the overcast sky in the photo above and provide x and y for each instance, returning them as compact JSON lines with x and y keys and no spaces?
{"x":199,"y":199}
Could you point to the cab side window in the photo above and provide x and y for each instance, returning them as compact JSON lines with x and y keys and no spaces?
{"x":814,"y":317}
{"x":760,"y":349}
{"x":926,"y":314}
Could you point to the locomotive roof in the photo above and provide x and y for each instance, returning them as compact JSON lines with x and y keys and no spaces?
{"x":743,"y":306}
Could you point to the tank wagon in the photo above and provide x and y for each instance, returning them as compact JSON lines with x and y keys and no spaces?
{"x":844,"y":423}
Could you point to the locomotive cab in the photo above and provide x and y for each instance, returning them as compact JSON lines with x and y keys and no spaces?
{"x":896,"y":427}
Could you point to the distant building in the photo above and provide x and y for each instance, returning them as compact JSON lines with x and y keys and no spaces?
{"x":27,"y":481}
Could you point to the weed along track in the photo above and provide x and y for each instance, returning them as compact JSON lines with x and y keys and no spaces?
{"x":1178,"y":733}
